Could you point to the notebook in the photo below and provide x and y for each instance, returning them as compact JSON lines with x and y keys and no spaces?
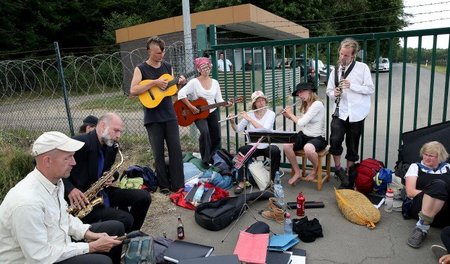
{"x":283,"y":242}
{"x":182,"y":250}
{"x":226,"y":259}
{"x":252,"y":248}
{"x":274,"y":257}
{"x":298,"y":256}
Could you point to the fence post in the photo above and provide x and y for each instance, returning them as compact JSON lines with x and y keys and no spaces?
{"x":63,"y":86}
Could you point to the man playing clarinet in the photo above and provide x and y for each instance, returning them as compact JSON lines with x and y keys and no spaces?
{"x":351,"y":92}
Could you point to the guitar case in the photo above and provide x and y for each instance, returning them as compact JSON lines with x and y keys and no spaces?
{"x":412,"y":141}
{"x":217,"y":215}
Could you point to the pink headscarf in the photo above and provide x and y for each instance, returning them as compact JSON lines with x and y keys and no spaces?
{"x":200,"y":61}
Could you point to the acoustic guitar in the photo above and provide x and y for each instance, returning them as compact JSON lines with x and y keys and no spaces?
{"x":153,"y":96}
{"x":186,"y":117}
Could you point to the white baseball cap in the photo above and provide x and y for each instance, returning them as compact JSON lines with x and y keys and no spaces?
{"x":55,"y":140}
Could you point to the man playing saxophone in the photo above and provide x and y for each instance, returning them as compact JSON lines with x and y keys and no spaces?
{"x":93,"y":160}
{"x":353,"y":89}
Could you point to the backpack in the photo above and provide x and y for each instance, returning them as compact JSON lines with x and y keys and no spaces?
{"x":140,"y":250}
{"x":148,"y":176}
{"x":365,"y":171}
{"x":223,"y":161}
{"x":381,"y":180}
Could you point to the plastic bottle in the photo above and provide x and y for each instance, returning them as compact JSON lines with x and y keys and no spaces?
{"x":198,"y":195}
{"x":300,"y":204}
{"x":389,"y":200}
{"x":287,"y":224}
{"x":180,"y":228}
{"x":278,"y":189}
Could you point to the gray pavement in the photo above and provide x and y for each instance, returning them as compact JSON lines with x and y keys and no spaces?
{"x":343,"y":241}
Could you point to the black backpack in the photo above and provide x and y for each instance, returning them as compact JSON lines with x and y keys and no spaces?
{"x":146,"y":173}
{"x":223,"y":161}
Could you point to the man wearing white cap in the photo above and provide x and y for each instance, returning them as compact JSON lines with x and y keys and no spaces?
{"x":34,"y":224}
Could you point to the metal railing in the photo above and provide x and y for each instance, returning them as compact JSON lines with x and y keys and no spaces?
{"x":407,"y":97}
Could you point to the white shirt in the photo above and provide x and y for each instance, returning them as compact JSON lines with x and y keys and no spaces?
{"x":35,"y":226}
{"x":266,"y":122}
{"x":355,"y":102}
{"x":312,"y":122}
{"x":220,"y":65}
{"x":194,"y":89}
{"x":413,"y":170}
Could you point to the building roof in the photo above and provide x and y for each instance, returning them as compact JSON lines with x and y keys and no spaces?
{"x":245,"y":18}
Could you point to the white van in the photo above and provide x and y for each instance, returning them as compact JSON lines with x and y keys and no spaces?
{"x":383,"y":64}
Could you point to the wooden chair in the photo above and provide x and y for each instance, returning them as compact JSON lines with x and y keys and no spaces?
{"x":321,"y":154}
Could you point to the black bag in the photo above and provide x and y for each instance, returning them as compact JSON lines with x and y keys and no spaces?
{"x":144,"y":172}
{"x":307,"y":230}
{"x":412,"y":141}
{"x":140,"y":250}
{"x":220,"y":214}
{"x":223,"y":161}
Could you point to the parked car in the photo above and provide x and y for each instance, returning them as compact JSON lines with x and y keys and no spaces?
{"x":321,"y":70}
{"x":383,"y":65}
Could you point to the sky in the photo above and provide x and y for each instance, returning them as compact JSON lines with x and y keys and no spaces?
{"x":428,"y":14}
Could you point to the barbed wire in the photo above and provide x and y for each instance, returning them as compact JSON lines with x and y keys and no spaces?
{"x":367,"y":13}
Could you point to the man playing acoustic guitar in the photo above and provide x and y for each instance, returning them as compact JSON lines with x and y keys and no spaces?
{"x":160,"y":121}
{"x":204,"y":87}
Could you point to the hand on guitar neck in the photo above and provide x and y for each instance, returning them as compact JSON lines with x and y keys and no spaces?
{"x":152,"y":97}
{"x":197,"y":109}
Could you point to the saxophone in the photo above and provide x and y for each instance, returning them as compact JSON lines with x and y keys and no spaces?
{"x":92,"y":193}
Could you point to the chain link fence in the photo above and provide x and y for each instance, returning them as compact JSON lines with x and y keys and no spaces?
{"x":32,"y":97}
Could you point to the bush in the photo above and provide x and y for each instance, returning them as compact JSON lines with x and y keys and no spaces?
{"x":15,"y":158}
{"x":15,"y":164}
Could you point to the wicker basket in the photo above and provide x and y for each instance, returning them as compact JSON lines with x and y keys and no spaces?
{"x":357,"y":208}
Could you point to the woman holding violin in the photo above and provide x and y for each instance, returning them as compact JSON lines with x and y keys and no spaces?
{"x":259,"y":117}
{"x":312,"y":130}
{"x":204,"y":87}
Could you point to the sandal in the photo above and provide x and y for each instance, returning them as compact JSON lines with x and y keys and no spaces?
{"x":238,"y":190}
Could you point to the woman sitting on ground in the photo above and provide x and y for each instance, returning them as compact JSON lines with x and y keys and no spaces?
{"x":261,"y":118}
{"x":310,"y":138}
{"x":428,"y":185}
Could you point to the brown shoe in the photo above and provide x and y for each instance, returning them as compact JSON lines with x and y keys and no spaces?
{"x":275,"y":213}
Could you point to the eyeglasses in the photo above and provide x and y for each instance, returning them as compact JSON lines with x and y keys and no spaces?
{"x":430,"y":155}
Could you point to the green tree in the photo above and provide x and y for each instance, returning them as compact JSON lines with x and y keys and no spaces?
{"x":114,"y":22}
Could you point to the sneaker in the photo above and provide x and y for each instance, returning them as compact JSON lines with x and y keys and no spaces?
{"x":438,"y":251}
{"x":417,"y":237}
{"x":164,"y":191}
{"x":342,"y":176}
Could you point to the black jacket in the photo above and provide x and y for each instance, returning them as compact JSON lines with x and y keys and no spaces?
{"x":84,"y":173}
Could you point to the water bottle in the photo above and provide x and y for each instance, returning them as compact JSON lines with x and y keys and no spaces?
{"x":389,"y":200}
{"x":278,"y":189}
{"x":287,"y":224}
{"x":198,"y":195}
{"x":300,"y":204}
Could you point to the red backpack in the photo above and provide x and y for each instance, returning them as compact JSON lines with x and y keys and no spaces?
{"x":366,"y":170}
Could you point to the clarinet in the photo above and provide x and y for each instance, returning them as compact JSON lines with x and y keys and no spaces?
{"x":338,"y":98}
